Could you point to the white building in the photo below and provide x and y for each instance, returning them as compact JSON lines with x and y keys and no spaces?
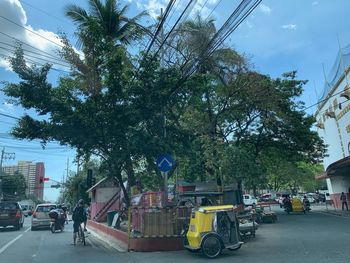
{"x":333,"y":123}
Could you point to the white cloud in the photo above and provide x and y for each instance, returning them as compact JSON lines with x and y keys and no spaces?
{"x":290,"y":26}
{"x":315,"y":3}
{"x":8,"y":105}
{"x":265,"y":9}
{"x":14,"y":14}
{"x":153,"y":7}
{"x":4,"y":63}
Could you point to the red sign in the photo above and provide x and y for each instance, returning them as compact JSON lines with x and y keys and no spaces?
{"x":46,"y":179}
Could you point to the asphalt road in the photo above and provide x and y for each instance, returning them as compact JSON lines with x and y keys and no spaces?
{"x":310,"y":238}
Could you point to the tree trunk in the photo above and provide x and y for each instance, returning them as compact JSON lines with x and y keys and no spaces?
{"x":116,"y":172}
{"x":130,"y":172}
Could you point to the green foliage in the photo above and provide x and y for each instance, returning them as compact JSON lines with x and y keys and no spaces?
{"x":13,"y":186}
{"x":226,"y":122}
{"x":76,"y":184}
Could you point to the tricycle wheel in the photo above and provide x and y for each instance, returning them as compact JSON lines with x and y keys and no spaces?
{"x":211,"y":246}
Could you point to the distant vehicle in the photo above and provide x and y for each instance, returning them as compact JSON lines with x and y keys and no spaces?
{"x":27,"y":210}
{"x":249,"y":200}
{"x":41,"y":218}
{"x":11,"y":214}
{"x":266,"y":197}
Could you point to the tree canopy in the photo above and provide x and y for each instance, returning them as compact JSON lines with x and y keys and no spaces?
{"x":220,"y":123}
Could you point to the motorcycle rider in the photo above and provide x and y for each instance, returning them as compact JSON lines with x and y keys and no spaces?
{"x":287,"y":203}
{"x":306,"y":203}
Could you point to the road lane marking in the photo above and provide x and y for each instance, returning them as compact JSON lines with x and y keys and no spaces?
{"x":27,"y":230}
{"x":10,"y":243}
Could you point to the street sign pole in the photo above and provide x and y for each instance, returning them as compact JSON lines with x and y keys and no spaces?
{"x":165,"y":176}
{"x":165,"y":163}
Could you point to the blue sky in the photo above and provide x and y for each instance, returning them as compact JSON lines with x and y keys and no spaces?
{"x":279,"y":36}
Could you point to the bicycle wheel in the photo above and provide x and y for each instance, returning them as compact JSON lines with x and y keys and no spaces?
{"x":82,"y":235}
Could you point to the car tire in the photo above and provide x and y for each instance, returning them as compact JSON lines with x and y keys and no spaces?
{"x":18,"y":226}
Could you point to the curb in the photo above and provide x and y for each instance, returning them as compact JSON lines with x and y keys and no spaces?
{"x":106,"y":240}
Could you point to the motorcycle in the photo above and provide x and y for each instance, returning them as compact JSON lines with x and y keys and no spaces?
{"x":57,"y":220}
{"x":57,"y":225}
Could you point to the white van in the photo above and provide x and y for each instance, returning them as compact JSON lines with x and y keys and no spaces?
{"x":249,"y":200}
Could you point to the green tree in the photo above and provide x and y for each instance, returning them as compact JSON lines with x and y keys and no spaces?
{"x":13,"y":186}
{"x":109,"y":18}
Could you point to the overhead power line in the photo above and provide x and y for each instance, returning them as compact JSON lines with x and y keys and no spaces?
{"x":33,"y":52}
{"x":160,"y":26}
{"x":212,"y":11}
{"x":31,"y":31}
{"x":230,"y":25}
{"x":9,"y":116}
{"x":44,"y":12}
{"x":35,"y":57}
{"x":24,"y":43}
{"x":183,"y":16}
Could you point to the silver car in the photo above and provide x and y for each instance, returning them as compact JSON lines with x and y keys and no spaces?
{"x":40,"y":218}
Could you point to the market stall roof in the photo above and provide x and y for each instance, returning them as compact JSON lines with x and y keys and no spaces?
{"x":338,"y":168}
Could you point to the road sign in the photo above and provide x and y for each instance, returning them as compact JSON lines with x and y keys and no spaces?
{"x":165,"y":163}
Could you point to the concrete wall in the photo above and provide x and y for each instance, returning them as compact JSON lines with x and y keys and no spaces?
{"x":336,"y":200}
{"x":105,"y":194}
{"x":100,"y":197}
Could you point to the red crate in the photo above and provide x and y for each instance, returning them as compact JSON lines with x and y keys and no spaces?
{"x":187,"y":188}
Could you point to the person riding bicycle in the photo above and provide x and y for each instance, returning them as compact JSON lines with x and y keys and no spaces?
{"x":79,"y":216}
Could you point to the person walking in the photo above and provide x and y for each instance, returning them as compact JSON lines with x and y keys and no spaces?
{"x":343,"y":201}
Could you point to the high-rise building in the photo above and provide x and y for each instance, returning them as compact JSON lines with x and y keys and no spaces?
{"x":32,"y":173}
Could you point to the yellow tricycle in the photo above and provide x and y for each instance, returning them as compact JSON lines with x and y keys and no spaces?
{"x":294,"y":205}
{"x":212,"y":229}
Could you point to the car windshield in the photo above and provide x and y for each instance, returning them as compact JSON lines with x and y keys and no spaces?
{"x":46,"y":208}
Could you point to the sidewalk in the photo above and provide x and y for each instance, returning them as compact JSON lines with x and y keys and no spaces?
{"x":328,"y":209}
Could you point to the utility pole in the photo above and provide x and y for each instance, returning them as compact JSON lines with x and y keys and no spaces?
{"x":63,"y":188}
{"x":165,"y":174}
{"x":4,"y":156}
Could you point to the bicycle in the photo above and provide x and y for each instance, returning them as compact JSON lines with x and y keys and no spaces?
{"x":81,"y":235}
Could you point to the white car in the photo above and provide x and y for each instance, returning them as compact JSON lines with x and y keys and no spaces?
{"x":40,"y":218}
{"x":249,"y":200}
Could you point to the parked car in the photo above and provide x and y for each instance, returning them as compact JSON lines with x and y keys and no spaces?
{"x":266,"y":197}
{"x":41,"y":218}
{"x":11,"y":214}
{"x":249,"y":200}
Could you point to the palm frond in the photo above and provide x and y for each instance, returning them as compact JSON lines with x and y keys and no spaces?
{"x":76,"y":13}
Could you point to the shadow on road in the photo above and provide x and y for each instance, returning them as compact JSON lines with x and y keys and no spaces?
{"x":8,"y":229}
